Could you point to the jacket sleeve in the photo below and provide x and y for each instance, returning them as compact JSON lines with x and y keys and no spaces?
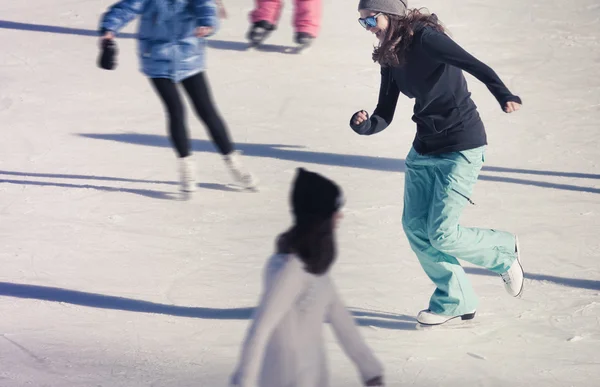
{"x":386,"y":106}
{"x":206,"y":14}
{"x":441,"y":47}
{"x":119,"y":14}
{"x":350,"y":339}
{"x":277,"y":299}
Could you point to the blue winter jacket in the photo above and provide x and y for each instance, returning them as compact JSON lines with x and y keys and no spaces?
{"x":167,"y":45}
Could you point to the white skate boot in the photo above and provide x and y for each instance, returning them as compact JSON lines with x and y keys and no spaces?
{"x":187,"y":176}
{"x":244,"y":177}
{"x":428,"y":318}
{"x":514,"y":278}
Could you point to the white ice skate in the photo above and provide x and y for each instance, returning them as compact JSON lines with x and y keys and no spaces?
{"x":514,"y":278}
{"x":187,"y":177}
{"x":428,"y":318}
{"x":242,"y":176}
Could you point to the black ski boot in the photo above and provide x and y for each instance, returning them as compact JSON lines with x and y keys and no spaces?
{"x":303,"y":40}
{"x":259,"y":31}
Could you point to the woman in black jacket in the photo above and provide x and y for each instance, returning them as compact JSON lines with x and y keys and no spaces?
{"x":418,"y":59}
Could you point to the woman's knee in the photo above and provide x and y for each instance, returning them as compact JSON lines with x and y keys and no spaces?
{"x":443,"y":239}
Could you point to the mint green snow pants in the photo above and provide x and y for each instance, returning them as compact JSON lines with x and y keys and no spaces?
{"x":436,"y":190}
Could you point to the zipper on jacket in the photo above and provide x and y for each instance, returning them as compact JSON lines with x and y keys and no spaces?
{"x":470,"y":201}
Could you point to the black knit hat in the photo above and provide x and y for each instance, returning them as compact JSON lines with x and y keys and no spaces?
{"x":314,"y":196}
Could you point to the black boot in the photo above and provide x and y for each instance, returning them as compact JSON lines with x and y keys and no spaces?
{"x":259,"y":31}
{"x":304,"y":38}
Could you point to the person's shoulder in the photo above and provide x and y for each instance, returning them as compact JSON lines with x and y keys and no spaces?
{"x":279,"y":262}
{"x":430,"y":36}
{"x":425,"y":30}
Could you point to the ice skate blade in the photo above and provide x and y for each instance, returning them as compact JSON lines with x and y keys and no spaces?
{"x":463,"y":321}
{"x":520,"y":295}
{"x":518,"y":261}
{"x":298,"y":50}
{"x":449,"y":325}
{"x":241,"y":188}
{"x":185,"y":196}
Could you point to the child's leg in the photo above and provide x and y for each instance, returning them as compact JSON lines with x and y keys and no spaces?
{"x":199,"y":92}
{"x":167,"y":91}
{"x":266,"y":10}
{"x":307,"y":17}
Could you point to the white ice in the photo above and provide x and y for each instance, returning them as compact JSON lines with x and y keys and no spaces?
{"x":105,"y":280}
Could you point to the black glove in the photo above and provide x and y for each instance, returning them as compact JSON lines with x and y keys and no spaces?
{"x":108,"y":55}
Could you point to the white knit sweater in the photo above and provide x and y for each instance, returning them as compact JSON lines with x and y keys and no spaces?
{"x":284,"y":346}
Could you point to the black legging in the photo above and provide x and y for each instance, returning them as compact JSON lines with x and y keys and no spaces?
{"x":198,"y":90}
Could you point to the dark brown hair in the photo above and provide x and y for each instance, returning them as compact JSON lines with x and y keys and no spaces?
{"x":313,"y":242}
{"x":399,"y":34}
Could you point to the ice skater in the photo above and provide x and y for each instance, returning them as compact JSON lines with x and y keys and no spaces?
{"x":171,"y":47}
{"x":265,"y":17}
{"x":418,"y":59}
{"x":284,"y":346}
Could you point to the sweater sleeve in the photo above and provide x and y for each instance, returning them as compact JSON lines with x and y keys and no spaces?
{"x":119,"y":14}
{"x":276,"y":300}
{"x":350,"y":339}
{"x":441,"y":47}
{"x":386,"y":106}
{"x":206,"y":14}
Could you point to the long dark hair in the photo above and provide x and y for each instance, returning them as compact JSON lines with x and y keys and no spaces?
{"x":399,"y":34}
{"x":313,"y":242}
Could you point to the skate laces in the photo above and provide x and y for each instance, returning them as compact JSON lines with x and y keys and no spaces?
{"x":235,"y":165}
{"x":506,"y":277}
{"x":186,"y":172}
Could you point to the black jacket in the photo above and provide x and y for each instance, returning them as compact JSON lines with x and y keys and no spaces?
{"x":446,"y":116}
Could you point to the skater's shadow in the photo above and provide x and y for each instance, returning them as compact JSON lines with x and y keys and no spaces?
{"x":244,"y":46}
{"x":95,"y":300}
{"x":298,"y":154}
{"x":277,"y":151}
{"x":212,"y":43}
{"x":10,"y":25}
{"x":143,"y":192}
{"x":275,"y":48}
{"x":385,"y":320}
{"x":562,"y":281}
